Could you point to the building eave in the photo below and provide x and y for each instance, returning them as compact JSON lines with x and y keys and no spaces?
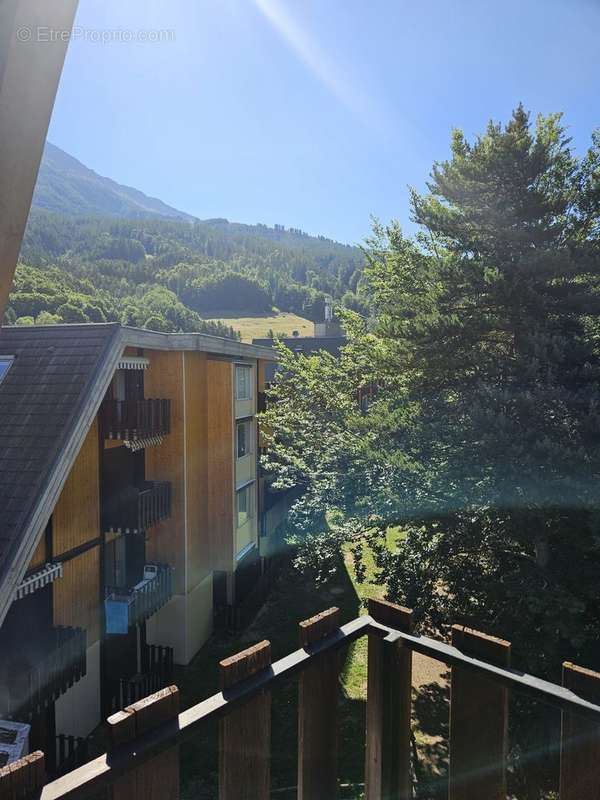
{"x":200,"y":342}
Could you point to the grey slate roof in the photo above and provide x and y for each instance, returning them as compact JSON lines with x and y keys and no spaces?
{"x":41,"y":396}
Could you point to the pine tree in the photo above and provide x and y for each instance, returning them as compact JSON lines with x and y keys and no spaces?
{"x":485,"y":429}
{"x":482,"y":439}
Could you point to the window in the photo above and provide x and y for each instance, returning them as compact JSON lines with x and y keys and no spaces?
{"x":244,"y":438}
{"x":245,"y":506}
{"x":5,"y":365}
{"x":243,"y":383}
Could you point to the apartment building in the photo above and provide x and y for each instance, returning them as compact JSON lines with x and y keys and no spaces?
{"x":131,"y":509}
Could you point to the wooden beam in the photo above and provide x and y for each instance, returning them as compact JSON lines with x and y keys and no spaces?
{"x":157,"y":779}
{"x":580,"y":739}
{"x":317,"y":712}
{"x":245,"y":733}
{"x":24,"y":778}
{"x":478,"y":721}
{"x":34,"y":35}
{"x":389,"y":687}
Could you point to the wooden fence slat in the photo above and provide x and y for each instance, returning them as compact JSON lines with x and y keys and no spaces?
{"x":478,"y":721}
{"x":389,"y":687}
{"x":317,"y":713}
{"x":580,"y":739}
{"x":158,"y":779}
{"x":245,"y":733}
{"x":23,"y":778}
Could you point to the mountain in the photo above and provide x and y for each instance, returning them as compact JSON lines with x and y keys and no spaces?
{"x":95,"y":250}
{"x":66,"y":186}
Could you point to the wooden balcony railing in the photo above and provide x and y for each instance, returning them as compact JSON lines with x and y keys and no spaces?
{"x":29,"y":689}
{"x":70,"y":752}
{"x":136,"y":509}
{"x":145,"y":736}
{"x":154,"y":503}
{"x":125,"y":608}
{"x":130,"y":420}
{"x":276,"y":509}
{"x":275,"y":516}
{"x":157,"y":672}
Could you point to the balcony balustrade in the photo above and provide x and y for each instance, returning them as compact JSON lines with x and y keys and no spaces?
{"x":135,"y":509}
{"x":70,"y":752}
{"x":131,"y":420}
{"x":127,"y":607}
{"x":31,"y":679}
{"x":157,"y":672}
{"x":482,"y":682}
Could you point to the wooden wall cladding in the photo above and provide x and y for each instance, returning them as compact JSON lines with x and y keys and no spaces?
{"x":77,"y":594}
{"x":39,"y":557}
{"x":76,"y":517}
{"x":219,"y":496}
{"x":196,"y":462}
{"x":261,"y":369}
{"x":164,"y":378}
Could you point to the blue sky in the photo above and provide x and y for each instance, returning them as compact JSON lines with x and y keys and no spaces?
{"x":314,"y":114}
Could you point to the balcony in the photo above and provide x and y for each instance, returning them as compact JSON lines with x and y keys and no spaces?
{"x":40,"y":671}
{"x":70,"y":752}
{"x":128,"y":607}
{"x":135,"y":509}
{"x":482,"y":687}
{"x":157,"y":672}
{"x":135,"y":420}
{"x":276,"y":509}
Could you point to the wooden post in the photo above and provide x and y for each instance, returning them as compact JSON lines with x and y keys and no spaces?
{"x":317,"y":713}
{"x":580,"y":739}
{"x":387,"y":766}
{"x":22,"y":779}
{"x":245,"y":733}
{"x":34,"y":35}
{"x":478,"y":721}
{"x":157,"y":779}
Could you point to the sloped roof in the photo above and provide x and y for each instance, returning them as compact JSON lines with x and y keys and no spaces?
{"x":42,"y":397}
{"x":48,"y":400}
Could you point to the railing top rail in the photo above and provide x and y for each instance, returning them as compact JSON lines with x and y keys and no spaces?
{"x":108,"y":767}
{"x":544,"y":691}
{"x":154,"y":486}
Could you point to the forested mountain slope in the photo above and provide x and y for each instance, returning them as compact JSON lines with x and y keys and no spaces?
{"x":146,"y":267}
{"x":66,"y":186}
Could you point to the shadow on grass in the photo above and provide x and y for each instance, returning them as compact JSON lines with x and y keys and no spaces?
{"x":293,"y":599}
{"x":431,"y":717}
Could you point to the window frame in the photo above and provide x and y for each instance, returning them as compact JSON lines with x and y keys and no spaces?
{"x":247,"y":370}
{"x":246,"y":424}
{"x":249,"y":511}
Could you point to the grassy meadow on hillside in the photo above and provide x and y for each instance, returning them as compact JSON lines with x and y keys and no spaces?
{"x":258,"y":327}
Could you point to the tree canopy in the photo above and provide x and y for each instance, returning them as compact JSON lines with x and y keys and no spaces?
{"x":480,"y":364}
